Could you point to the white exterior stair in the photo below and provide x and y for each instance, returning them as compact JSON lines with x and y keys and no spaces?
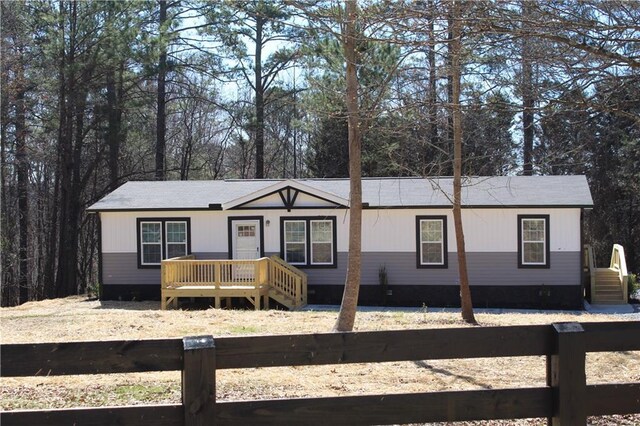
{"x":609,"y":289}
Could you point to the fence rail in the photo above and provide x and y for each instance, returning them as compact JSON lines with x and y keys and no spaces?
{"x":567,"y":400}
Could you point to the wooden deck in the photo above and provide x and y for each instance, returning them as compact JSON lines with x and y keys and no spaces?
{"x":257,"y":280}
{"x":608,"y":285}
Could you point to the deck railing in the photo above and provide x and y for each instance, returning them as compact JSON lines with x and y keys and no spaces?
{"x":288,"y":279}
{"x":619,"y":263}
{"x":567,"y":398}
{"x":186,"y":271}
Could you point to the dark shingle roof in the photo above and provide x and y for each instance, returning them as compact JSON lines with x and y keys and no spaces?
{"x":500,"y":191}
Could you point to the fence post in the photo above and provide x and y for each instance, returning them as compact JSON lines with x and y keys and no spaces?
{"x":566,"y":374}
{"x":199,"y":380}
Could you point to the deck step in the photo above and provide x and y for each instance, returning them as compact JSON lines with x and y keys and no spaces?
{"x":608,"y":302}
{"x":282,"y":298}
{"x":609,"y":287}
{"x":612,"y":295}
{"x":615,"y":292}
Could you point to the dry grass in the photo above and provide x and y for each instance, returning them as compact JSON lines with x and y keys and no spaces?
{"x":76,"y":319}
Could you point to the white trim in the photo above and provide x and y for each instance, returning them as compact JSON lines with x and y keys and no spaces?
{"x":311,"y":262}
{"x":442,"y":232}
{"x":280,"y":185}
{"x":235,"y":223}
{"x":142,"y":243}
{"x":543,"y":241}
{"x":284,"y":237}
{"x":167,"y":242}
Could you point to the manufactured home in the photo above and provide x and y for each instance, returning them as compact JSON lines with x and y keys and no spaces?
{"x":523,"y":238}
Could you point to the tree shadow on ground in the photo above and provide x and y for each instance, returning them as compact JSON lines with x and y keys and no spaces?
{"x":147,"y":305}
{"x":198,"y":304}
{"x":468,"y":379}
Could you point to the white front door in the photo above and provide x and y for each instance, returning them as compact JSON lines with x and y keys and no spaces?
{"x":246,"y":239}
{"x":246,"y":245}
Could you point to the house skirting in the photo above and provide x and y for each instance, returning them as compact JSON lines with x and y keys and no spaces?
{"x":525,"y":297}
{"x":520,"y":296}
{"x":128,"y":292}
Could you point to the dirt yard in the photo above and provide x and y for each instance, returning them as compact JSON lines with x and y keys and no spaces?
{"x":77,"y":319}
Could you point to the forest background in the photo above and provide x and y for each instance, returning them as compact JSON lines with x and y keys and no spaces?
{"x":96,"y":93}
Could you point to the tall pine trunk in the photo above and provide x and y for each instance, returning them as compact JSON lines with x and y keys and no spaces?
{"x":161,"y":118}
{"x":6,"y":291}
{"x":65,"y":273}
{"x":456,"y":72}
{"x":114,"y":126}
{"x":447,"y":170}
{"x":433,"y":82}
{"x":527,"y":93}
{"x":23,"y":185}
{"x":347,"y":315}
{"x":259,"y":100}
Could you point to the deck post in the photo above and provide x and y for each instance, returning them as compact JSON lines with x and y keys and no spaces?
{"x":566,"y":374}
{"x":216,"y":272}
{"x":163,"y":284}
{"x":199,"y":381}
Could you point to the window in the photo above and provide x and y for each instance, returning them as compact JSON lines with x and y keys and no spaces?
{"x":431,"y":241}
{"x":533,"y":241}
{"x":309,"y":241}
{"x":151,"y":242}
{"x":321,"y":242}
{"x":176,"y":239}
{"x":162,"y":239}
{"x":246,"y":231}
{"x":295,"y":242}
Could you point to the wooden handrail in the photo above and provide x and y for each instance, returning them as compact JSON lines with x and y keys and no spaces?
{"x":287,"y":279}
{"x":590,"y":262}
{"x":619,"y":263}
{"x":289,"y":266}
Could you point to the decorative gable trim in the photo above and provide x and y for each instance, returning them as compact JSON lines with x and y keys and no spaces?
{"x":288,"y":196}
{"x":288,"y":192}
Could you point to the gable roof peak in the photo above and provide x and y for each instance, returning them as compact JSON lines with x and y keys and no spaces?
{"x":283,"y":184}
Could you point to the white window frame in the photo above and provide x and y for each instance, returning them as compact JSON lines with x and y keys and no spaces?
{"x":442,"y":243}
{"x":311,"y":262}
{"x":166,"y":233}
{"x":543,"y":241}
{"x":284,"y":236}
{"x":143,"y":244}
{"x":164,"y":251}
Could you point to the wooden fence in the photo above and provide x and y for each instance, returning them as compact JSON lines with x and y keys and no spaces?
{"x":567,"y":400}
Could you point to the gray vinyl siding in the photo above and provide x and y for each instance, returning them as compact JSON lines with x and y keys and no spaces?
{"x":484,"y":268}
{"x":122,"y":268}
{"x":489,"y":269}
